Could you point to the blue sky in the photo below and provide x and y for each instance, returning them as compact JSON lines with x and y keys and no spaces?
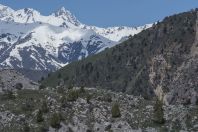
{"x":105,"y":13}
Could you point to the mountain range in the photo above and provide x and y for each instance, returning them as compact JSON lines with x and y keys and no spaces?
{"x":160,"y":61}
{"x":97,"y":79}
{"x":29,"y":40}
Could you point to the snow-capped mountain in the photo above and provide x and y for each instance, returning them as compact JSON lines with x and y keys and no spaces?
{"x":32,"y":41}
{"x":118,"y":33}
{"x":60,"y":18}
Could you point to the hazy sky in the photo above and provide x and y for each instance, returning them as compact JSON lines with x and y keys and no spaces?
{"x":105,"y":13}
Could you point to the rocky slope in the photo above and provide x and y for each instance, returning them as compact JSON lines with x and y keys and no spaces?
{"x":90,"y":110}
{"x":161,"y":61}
{"x":11,"y":80}
{"x":32,"y":41}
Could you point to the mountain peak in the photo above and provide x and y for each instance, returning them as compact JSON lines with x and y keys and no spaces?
{"x":62,"y":11}
{"x":5,"y":11}
{"x":5,"y":8}
{"x":2,"y":6}
{"x":29,"y":11}
{"x":67,"y":16}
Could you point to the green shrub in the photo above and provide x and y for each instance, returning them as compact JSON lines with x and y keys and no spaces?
{"x":82,"y":89}
{"x":42,"y":78}
{"x":43,"y":129}
{"x":115,"y":110}
{"x":39,"y":116}
{"x":70,"y":129}
{"x":107,"y":98}
{"x":60,"y":90}
{"x":59,"y":75}
{"x":28,"y":105}
{"x":44,"y":107}
{"x":88,"y":98}
{"x":19,"y":86}
{"x":158,"y":115}
{"x":8,"y":95}
{"x":72,"y":95}
{"x":63,"y":101}
{"x":42,"y":86}
{"x":70,"y":86}
{"x":26,"y":128}
{"x":55,"y":120}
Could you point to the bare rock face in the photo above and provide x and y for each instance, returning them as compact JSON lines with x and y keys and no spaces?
{"x":181,"y":88}
{"x":184,"y":87}
{"x":158,"y":75}
{"x":12,"y":80}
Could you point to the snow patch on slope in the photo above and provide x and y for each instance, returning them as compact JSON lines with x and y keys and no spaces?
{"x":117,"y":33}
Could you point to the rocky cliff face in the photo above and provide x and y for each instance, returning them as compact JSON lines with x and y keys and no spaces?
{"x":179,"y":86}
{"x":184,"y":86}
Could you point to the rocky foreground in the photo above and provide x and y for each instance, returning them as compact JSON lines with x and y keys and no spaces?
{"x":87,"y":110}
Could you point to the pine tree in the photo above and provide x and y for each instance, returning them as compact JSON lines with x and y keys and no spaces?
{"x":55,"y":120}
{"x":44,"y":107}
{"x":115,"y":110}
{"x":26,"y":128}
{"x":158,"y":115}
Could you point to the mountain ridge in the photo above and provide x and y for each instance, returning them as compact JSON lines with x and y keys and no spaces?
{"x":60,"y":15}
{"x":32,"y":41}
